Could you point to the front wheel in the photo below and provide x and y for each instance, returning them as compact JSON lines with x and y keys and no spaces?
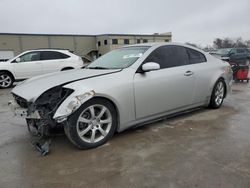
{"x":218,"y":94}
{"x":6,"y":80}
{"x":93,"y":124}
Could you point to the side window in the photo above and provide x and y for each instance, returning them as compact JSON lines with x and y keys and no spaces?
{"x":63,"y":56}
{"x":50,"y":55}
{"x":31,"y":56}
{"x":195,"y":56}
{"x":233,"y":51}
{"x":168,"y":56}
{"x":240,"y":51}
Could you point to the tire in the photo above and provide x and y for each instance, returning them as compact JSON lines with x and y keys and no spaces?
{"x":218,"y":94}
{"x":6,"y":80}
{"x":92,"y":125}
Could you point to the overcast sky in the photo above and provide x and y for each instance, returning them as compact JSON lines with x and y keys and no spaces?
{"x":195,"y":21}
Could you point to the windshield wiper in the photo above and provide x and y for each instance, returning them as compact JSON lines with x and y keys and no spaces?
{"x":97,"y":68}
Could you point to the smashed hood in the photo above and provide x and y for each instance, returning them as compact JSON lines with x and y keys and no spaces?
{"x":32,"y":88}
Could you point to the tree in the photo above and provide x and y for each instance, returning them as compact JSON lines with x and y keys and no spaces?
{"x":248,"y":43}
{"x":231,"y":43}
{"x":228,"y":43}
{"x":240,"y":43}
{"x":218,"y":43}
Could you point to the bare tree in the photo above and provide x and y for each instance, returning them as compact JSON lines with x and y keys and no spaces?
{"x":218,"y":43}
{"x":230,"y":43}
{"x":248,"y":43}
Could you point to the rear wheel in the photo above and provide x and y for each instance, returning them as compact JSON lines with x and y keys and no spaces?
{"x":6,"y":80}
{"x":92,"y":125}
{"x":218,"y":94}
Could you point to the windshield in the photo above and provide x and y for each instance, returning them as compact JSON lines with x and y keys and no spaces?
{"x":223,"y":51}
{"x":119,"y":59}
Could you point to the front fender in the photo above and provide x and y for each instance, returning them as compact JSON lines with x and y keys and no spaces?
{"x":72,"y":103}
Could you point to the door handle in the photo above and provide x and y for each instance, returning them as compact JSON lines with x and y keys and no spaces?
{"x":188,"y":73}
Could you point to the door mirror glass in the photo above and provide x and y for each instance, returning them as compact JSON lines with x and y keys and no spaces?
{"x":150,"y":66}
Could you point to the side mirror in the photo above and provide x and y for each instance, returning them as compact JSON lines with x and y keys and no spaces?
{"x":150,"y":66}
{"x":18,"y":60}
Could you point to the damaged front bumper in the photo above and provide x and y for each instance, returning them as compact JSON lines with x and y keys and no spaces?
{"x":22,"y":112}
{"x":68,"y":106}
{"x":47,"y":115}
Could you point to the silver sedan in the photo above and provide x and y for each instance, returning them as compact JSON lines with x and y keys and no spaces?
{"x":126,"y":87}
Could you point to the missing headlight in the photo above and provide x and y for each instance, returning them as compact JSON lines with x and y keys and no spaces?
{"x":50,"y":100}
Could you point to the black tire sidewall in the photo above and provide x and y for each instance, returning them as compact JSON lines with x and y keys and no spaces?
{"x":71,"y":126}
{"x":213,"y":96}
{"x":12,"y":79}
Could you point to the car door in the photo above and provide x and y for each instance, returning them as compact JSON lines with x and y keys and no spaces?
{"x":28,"y":65}
{"x":167,"y":89}
{"x":203,"y":72}
{"x":241,"y":55}
{"x":237,"y":54}
{"x":52,"y":61}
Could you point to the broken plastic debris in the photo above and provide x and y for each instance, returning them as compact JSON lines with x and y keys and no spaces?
{"x":42,"y":148}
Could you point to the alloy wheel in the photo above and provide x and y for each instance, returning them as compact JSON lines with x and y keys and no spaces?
{"x":94,"y":123}
{"x":219,"y":93}
{"x":5,"y":80}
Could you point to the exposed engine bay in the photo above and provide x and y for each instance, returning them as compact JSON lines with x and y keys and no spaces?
{"x":45,"y":126}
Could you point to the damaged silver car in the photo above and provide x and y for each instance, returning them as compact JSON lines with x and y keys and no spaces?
{"x":126,"y":87}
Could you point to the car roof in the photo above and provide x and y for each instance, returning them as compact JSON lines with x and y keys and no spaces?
{"x":158,"y":44}
{"x":48,"y":49}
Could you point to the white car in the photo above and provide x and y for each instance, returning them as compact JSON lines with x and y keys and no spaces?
{"x":37,"y":62}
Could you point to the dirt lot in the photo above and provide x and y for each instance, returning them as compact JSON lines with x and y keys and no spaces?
{"x":205,"y":148}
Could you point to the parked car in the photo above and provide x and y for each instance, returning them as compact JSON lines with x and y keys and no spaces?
{"x":37,"y":62}
{"x":123,"y":88}
{"x":234,"y":55}
{"x":219,"y":53}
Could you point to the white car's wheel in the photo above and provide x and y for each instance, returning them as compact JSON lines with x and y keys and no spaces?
{"x":218,"y":94}
{"x":6,"y":80}
{"x":92,"y":124}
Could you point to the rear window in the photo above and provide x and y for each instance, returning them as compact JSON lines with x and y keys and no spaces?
{"x":195,"y":56}
{"x":50,"y":55}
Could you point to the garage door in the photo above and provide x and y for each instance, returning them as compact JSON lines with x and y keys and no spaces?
{"x":6,"y":54}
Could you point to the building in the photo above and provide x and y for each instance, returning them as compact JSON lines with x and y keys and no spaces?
{"x":87,"y":46}
{"x":108,"y":42}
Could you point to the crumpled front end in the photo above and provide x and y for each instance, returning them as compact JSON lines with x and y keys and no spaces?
{"x":71,"y":104}
{"x":51,"y":109}
{"x":48,"y":114}
{"x":39,"y":114}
